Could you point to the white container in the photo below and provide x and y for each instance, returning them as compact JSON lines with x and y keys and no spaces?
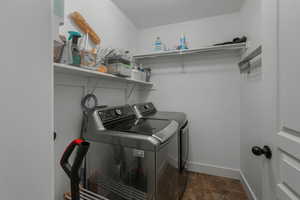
{"x":143,"y":76}
{"x":119,"y":69}
{"x":136,"y":74}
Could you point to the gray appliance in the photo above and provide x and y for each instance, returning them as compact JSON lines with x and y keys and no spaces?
{"x":131,"y":158}
{"x":148,"y":111}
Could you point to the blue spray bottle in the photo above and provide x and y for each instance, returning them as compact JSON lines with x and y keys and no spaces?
{"x":182,"y":42}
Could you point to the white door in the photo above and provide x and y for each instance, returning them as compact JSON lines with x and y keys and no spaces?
{"x":26,"y":149}
{"x":281,"y":175}
{"x":288,"y":139}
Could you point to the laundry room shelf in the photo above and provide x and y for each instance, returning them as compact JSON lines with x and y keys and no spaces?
{"x":238,"y":48}
{"x":77,"y":71}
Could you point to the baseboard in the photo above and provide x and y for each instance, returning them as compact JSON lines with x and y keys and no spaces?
{"x":224,"y":172}
{"x":214,"y":170}
{"x":251,"y":195}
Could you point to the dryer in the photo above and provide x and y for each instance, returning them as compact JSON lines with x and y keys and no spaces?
{"x":148,"y":111}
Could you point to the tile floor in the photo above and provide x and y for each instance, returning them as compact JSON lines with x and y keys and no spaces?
{"x":207,"y":187}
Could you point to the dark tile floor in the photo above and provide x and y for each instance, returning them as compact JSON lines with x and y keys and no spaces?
{"x":207,"y":187}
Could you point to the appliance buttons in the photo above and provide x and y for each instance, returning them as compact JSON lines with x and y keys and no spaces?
{"x":118,"y":112}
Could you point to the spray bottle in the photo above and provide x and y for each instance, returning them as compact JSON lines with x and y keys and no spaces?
{"x":76,"y":58}
{"x":183,"y":42}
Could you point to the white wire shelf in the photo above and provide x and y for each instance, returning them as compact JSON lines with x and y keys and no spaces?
{"x":78,"y":71}
{"x":238,"y":48}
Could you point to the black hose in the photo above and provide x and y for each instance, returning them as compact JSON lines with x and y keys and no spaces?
{"x":86,"y":99}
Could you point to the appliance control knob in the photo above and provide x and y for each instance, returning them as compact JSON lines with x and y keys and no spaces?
{"x":146,"y":107}
{"x":118,"y":112}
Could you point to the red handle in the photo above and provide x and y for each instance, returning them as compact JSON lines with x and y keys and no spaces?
{"x":73,"y":170}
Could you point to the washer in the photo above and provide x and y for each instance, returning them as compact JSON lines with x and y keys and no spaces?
{"x":148,"y":111}
{"x":131,"y":158}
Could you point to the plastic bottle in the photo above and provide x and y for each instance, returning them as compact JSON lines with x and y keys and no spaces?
{"x":135,"y":74}
{"x":142,"y":73}
{"x":67,"y":53}
{"x":158,"y":44}
{"x":182,"y":42}
{"x":74,"y":36}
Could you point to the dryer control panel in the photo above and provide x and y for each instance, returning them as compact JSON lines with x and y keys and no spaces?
{"x":145,"y":109}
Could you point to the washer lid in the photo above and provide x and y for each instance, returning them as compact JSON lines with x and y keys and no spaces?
{"x":148,"y":110}
{"x":179,"y":117}
{"x":157,"y":128}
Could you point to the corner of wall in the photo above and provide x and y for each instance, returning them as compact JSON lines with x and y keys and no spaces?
{"x":249,"y":191}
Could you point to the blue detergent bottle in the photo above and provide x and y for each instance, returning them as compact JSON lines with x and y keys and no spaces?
{"x":183,"y":43}
{"x":158,"y":44}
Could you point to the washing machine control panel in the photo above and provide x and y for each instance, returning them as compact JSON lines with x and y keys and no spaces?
{"x":116,"y":113}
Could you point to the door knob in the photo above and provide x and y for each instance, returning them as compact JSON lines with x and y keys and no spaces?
{"x":262,"y":151}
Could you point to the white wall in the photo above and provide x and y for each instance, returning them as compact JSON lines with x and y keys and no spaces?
{"x":259,"y":98}
{"x":116,"y":31}
{"x":271,"y":72}
{"x":26,"y":149}
{"x":108,"y":21}
{"x":199,"y":33}
{"x":252,"y":106}
{"x":208,"y":90}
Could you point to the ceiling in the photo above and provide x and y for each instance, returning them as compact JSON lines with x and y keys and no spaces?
{"x":150,"y":13}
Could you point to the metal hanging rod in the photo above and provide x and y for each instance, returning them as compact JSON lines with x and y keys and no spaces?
{"x":252,"y":55}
